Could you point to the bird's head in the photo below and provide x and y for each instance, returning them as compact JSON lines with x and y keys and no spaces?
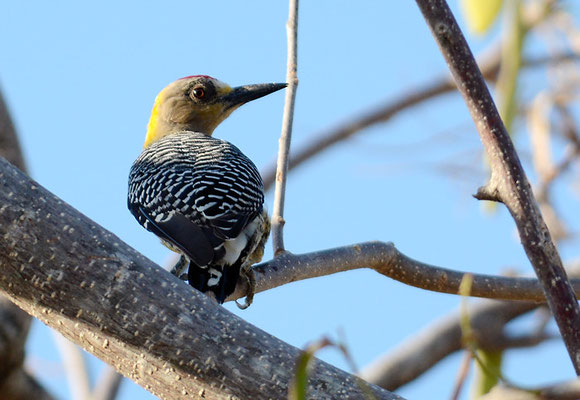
{"x":199,"y":103}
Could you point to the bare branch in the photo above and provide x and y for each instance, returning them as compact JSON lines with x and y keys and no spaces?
{"x":547,"y":170}
{"x":75,"y":367}
{"x":442,"y":338}
{"x":569,"y":390}
{"x":108,"y":385}
{"x":155,"y":329}
{"x":390,"y":262}
{"x":525,"y":341}
{"x":13,"y":333}
{"x":562,"y":391}
{"x":461,"y":375}
{"x":320,"y":142}
{"x":286,"y":136}
{"x":19,"y":385}
{"x":572,"y":153}
{"x":317,"y":143}
{"x":9,"y":144}
{"x":508,"y":182}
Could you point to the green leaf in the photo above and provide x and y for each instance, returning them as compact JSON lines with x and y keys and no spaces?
{"x":487,"y":372}
{"x":511,"y":62}
{"x":299,"y":386}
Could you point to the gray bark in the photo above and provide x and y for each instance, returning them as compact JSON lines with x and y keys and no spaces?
{"x":15,"y":383}
{"x":83,"y":281}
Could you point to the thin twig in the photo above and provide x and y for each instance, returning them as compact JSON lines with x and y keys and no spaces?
{"x":571,"y":155}
{"x":319,"y":142}
{"x":108,"y":384}
{"x":286,"y":135}
{"x":382,"y":113}
{"x":508,"y":183}
{"x":75,"y":367}
{"x":548,"y":170}
{"x":462,"y":373}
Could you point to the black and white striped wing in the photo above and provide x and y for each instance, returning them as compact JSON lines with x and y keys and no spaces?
{"x":195,"y":192}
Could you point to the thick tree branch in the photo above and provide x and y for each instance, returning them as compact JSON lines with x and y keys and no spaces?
{"x":286,"y":135}
{"x":15,"y":383}
{"x":390,"y":262}
{"x":508,"y":183}
{"x":84,"y":282}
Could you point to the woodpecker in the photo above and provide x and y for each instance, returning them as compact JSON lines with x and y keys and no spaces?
{"x":201,"y":195}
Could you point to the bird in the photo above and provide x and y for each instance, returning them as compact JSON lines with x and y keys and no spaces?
{"x":199,"y":194}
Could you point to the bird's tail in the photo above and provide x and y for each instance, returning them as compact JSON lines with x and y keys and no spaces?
{"x":218,"y":279}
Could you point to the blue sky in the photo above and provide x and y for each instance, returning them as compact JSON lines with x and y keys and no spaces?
{"x":80,"y":79}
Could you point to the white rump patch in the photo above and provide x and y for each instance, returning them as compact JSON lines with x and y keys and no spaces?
{"x":215,"y":277}
{"x":235,"y":246}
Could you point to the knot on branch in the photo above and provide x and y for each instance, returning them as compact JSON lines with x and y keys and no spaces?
{"x":442,"y":29}
{"x":488,"y":193}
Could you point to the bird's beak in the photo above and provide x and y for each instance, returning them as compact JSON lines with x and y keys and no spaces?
{"x":243,"y":94}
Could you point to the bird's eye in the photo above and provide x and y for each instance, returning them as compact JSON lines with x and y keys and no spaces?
{"x":198,"y":92}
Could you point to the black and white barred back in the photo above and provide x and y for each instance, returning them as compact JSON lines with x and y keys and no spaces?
{"x":204,"y":198}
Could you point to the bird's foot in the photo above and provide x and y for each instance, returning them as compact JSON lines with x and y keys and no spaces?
{"x":251,"y":280}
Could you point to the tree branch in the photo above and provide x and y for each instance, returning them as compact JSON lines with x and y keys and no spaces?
{"x":155,"y":329}
{"x":108,"y":385}
{"x":9,"y":144}
{"x":320,"y":142}
{"x":15,"y":383}
{"x":462,"y":374}
{"x":508,"y":183}
{"x":569,"y":390}
{"x":442,"y":338}
{"x":74,"y":364}
{"x":317,"y":143}
{"x":390,"y":262}
{"x":19,"y":385}
{"x":286,"y":135}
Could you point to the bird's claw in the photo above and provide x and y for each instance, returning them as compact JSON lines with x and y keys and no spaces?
{"x":251,"y":280}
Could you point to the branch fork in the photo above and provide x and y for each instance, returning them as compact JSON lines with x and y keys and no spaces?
{"x":513,"y":188}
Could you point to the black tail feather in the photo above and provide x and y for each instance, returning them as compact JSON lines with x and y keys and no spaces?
{"x":200,"y":279}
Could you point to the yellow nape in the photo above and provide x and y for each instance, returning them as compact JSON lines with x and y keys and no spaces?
{"x":152,"y":127}
{"x":189,"y":115}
